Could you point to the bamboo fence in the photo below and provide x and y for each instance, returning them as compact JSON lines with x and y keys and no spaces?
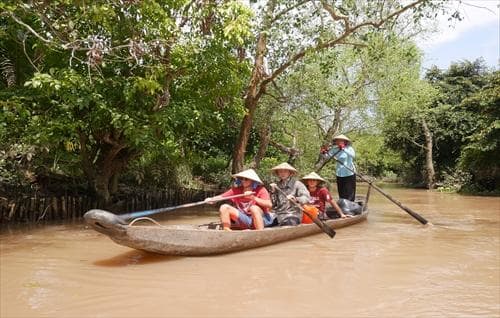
{"x":36,"y":208}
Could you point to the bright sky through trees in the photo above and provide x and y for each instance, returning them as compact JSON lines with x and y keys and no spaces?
{"x":477,"y":35}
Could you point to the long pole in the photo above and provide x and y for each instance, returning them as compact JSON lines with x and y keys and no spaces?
{"x":414,"y":214}
{"x":134,"y":215}
{"x":325,"y":228}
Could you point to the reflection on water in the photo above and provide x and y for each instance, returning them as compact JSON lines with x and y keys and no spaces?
{"x":389,"y":266}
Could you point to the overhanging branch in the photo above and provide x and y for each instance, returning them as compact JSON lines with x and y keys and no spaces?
{"x":335,"y":16}
{"x":285,"y":11}
{"x":332,"y":42}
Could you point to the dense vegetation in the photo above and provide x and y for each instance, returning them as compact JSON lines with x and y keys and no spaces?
{"x":463,"y":117}
{"x":161,"y":93}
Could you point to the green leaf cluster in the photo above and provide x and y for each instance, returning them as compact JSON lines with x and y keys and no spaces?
{"x":140,"y":83}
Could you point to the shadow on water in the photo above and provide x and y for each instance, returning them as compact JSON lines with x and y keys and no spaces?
{"x":134,"y":257}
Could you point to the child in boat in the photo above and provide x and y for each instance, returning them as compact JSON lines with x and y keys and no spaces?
{"x":288,"y":188}
{"x":320,"y":195}
{"x":248,"y":212}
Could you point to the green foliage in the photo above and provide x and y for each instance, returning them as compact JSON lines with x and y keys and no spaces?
{"x":103,"y":84}
{"x":237,"y":22}
{"x":481,"y":149}
{"x":358,"y":91}
{"x":403,"y":110}
{"x":374,"y":158}
{"x":461,"y":110}
{"x":158,"y":85}
{"x":213,"y":170}
{"x":454,"y":181}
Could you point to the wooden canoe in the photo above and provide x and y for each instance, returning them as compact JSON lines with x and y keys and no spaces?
{"x":201,"y":240}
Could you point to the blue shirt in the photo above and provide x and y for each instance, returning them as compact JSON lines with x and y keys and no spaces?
{"x":346,"y":156}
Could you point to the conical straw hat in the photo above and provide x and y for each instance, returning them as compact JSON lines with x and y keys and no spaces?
{"x":313,"y":176}
{"x":249,"y":174}
{"x":284,"y":166}
{"x":343,"y":137}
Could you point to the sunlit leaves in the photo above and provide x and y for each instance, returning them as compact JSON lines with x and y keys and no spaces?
{"x":104,"y":68}
{"x":481,"y":149}
{"x":457,"y":104}
{"x":237,"y":21}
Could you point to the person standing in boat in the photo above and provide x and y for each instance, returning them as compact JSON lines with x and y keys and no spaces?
{"x":320,"y":195}
{"x":248,"y":212}
{"x":346,"y":179}
{"x":288,"y":188}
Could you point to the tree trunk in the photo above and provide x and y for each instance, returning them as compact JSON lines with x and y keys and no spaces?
{"x":320,"y":163}
{"x":327,"y":140}
{"x":113,"y":183}
{"x":254,"y":92}
{"x":108,"y":157}
{"x":264,"y":138}
{"x":241,"y":144}
{"x":251,"y":99}
{"x":334,"y":128}
{"x":101,"y":187}
{"x":429,"y":165}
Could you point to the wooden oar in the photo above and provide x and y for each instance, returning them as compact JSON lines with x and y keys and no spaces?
{"x":325,"y":228}
{"x":134,"y":215}
{"x":414,"y":214}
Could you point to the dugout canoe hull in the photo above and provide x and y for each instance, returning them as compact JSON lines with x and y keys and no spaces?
{"x":200,"y":240}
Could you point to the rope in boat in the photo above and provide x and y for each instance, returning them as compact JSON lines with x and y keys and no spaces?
{"x":146,"y":219}
{"x":212,"y":225}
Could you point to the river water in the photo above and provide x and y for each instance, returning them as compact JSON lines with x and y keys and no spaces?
{"x":389,"y":266}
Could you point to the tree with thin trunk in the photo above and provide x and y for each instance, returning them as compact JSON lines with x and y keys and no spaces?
{"x":429,"y":165}
{"x":312,"y":26}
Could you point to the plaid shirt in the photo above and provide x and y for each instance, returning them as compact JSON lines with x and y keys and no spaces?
{"x":282,"y":206}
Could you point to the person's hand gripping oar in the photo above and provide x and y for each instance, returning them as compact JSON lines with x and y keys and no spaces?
{"x":325,"y":228}
{"x":414,"y":214}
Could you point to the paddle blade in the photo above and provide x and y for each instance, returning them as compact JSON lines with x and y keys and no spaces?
{"x":331,"y":233}
{"x":325,"y":228}
{"x":328,"y":230}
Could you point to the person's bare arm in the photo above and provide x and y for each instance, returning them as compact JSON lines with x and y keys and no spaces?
{"x":264,"y":203}
{"x":337,"y":208}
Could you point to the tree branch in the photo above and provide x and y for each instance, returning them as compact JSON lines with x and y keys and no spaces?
{"x":276,"y":98}
{"x":281,"y":98}
{"x":185,"y":18}
{"x":285,"y":11}
{"x":26,"y":54}
{"x":479,"y":7}
{"x":30,"y":29}
{"x":291,"y":151}
{"x":414,"y":142}
{"x":390,"y":16}
{"x":333,"y":42}
{"x":335,"y":16}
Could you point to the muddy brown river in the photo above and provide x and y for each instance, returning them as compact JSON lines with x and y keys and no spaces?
{"x":389,"y":266}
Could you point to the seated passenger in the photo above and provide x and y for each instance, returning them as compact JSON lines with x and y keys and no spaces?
{"x":288,"y":188}
{"x":320,"y":195}
{"x":248,"y":212}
